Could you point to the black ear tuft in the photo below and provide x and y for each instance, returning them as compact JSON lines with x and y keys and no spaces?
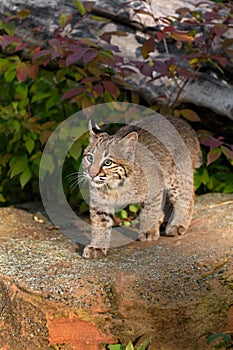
{"x":94,"y":129}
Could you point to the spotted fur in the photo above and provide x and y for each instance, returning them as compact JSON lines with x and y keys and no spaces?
{"x":134,"y":166}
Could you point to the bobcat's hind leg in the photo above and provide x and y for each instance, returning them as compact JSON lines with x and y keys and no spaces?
{"x":151,"y":219}
{"x":180,"y":218}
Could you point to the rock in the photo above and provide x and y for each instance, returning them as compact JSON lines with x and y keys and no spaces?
{"x":208,"y":90}
{"x":177,"y":290}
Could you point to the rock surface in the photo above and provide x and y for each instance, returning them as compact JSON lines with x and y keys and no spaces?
{"x":177,"y":290}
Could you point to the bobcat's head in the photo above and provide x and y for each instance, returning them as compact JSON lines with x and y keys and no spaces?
{"x":108,"y":160}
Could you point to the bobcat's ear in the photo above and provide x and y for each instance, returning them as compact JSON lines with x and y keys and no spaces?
{"x":94,"y":130}
{"x":129,"y":142}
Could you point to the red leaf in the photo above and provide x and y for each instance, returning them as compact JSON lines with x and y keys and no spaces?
{"x":55,"y":43}
{"x":90,"y":80}
{"x":185,"y":73}
{"x":211,"y":142}
{"x":111,"y":88}
{"x":40,"y":54}
{"x":55,"y":55}
{"x":161,"y":67}
{"x":98,"y":89}
{"x":219,"y":29}
{"x":147,"y":69}
{"x":148,"y":46}
{"x":9,"y":18}
{"x":106,"y":37}
{"x":74,"y":57}
{"x":9,"y":39}
{"x":22,"y":71}
{"x":228,"y":153}
{"x":21,"y":47}
{"x":160,"y":36}
{"x":221,"y":59}
{"x":88,"y":5}
{"x":169,"y":29}
{"x":89,"y":54}
{"x":209,"y":16}
{"x":213,"y":155}
{"x":72,"y":92}
{"x":32,"y":71}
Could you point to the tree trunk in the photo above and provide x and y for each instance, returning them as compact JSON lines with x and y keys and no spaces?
{"x":208,"y":90}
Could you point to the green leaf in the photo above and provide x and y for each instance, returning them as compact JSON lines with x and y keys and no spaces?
{"x":24,"y":13}
{"x":116,"y":347}
{"x":25,"y":177}
{"x":190,"y":115}
{"x":10,"y":74}
{"x":9,"y":28}
{"x":228,"y":188}
{"x":29,"y":144}
{"x":226,"y":337}
{"x":210,"y":184}
{"x":123,"y":214}
{"x":144,"y":345}
{"x":16,"y":125}
{"x":126,"y":223}
{"x":80,"y":7}
{"x":40,"y":96}
{"x":83,"y":207}
{"x":101,"y":19}
{"x":17,"y":165}
{"x":205,"y":176}
{"x":53,"y":101}
{"x":135,"y":97}
{"x":129,"y":346}
{"x":21,"y":91}
{"x":2,"y":198}
{"x":4,"y":64}
{"x":182,"y":36}
{"x":60,"y":75}
{"x":134,"y":208}
{"x":64,"y":19}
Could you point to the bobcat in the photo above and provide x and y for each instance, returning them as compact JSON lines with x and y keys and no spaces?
{"x":136,"y":166}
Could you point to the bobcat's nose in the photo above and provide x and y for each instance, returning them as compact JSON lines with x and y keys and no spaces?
{"x":92,"y":173}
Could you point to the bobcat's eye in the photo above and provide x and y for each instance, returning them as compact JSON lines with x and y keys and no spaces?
{"x":90,"y":157}
{"x":107,"y":162}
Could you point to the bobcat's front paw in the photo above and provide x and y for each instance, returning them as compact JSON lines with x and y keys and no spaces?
{"x":175,"y":230}
{"x":90,"y":252}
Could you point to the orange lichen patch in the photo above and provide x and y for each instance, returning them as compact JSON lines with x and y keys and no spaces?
{"x":229,"y":326}
{"x":82,"y":335}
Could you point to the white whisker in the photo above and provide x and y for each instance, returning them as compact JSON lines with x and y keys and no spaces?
{"x":74,"y":179}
